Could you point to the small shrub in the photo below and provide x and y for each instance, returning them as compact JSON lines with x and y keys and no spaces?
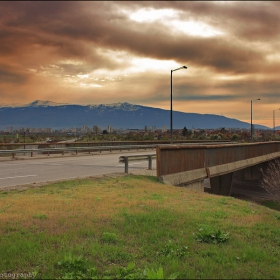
{"x":270,"y":180}
{"x":130,"y":272}
{"x":172,"y":250}
{"x":73,"y":267}
{"x":109,"y":237}
{"x":209,"y":235}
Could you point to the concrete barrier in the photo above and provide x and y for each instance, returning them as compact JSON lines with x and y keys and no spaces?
{"x":207,"y":164}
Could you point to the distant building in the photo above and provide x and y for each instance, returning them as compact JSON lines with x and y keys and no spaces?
{"x":10,"y":129}
{"x":153,"y":128}
{"x":164,"y":129}
{"x":73,"y":129}
{"x":85,"y":129}
{"x":109,"y":129}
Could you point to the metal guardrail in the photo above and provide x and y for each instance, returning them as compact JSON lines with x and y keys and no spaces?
{"x":90,"y":149}
{"x":43,"y":145}
{"x":49,"y":151}
{"x":126,"y":159}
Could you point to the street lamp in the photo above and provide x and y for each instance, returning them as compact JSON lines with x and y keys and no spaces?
{"x":171,"y":128}
{"x":274,"y":121}
{"x":252,"y":117}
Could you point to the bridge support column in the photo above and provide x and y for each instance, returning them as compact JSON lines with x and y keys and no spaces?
{"x":221,"y":185}
{"x":252,"y":173}
{"x":248,"y":173}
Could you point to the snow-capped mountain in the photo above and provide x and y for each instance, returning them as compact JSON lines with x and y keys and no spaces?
{"x":33,"y":104}
{"x":118,"y":115}
{"x":37,"y":103}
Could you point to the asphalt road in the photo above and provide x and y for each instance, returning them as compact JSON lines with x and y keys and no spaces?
{"x":21,"y":172}
{"x":38,"y":170}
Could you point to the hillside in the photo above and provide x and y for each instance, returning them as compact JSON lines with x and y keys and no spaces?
{"x":118,"y":115}
{"x":133,"y":227}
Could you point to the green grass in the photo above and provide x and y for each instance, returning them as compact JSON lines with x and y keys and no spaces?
{"x":134,"y":227}
{"x":272,"y":204}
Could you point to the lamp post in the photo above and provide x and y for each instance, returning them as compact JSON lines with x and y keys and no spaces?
{"x":252,"y":117}
{"x":274,"y":121}
{"x":171,"y":128}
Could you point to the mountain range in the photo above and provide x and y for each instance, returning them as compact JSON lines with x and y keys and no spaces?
{"x":117,"y":115}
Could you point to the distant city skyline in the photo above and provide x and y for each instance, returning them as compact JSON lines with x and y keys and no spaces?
{"x":103,"y":52}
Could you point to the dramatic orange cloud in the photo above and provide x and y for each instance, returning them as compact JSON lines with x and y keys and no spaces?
{"x":106,"y":52}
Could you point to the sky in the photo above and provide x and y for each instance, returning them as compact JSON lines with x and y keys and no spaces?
{"x":103,"y":52}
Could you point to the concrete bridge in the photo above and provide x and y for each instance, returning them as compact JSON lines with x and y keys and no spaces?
{"x":191,"y":165}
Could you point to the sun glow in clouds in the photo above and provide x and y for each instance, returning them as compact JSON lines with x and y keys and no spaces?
{"x":196,"y":28}
{"x":129,"y":65}
{"x":151,"y":14}
{"x":148,"y":64}
{"x":170,"y":17}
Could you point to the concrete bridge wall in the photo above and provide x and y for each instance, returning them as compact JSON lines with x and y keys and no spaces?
{"x":189,"y":166}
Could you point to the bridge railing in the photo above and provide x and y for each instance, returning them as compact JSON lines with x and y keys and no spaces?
{"x":178,"y":158}
{"x":218,"y":155}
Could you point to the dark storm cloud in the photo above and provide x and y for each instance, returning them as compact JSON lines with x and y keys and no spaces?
{"x":73,"y":29}
{"x":45,"y":45}
{"x":251,"y":20}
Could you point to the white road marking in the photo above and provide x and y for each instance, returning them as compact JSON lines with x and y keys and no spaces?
{"x":18,"y":177}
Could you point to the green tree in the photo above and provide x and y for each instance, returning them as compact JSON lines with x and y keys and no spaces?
{"x":234,"y":137}
{"x":184,"y":131}
{"x":215,"y":137}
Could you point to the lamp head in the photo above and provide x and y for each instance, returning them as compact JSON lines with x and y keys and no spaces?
{"x":182,"y":67}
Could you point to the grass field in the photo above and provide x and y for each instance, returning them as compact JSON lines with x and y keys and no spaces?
{"x":135,"y":227}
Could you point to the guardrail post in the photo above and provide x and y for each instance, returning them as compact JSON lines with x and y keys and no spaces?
{"x":63,"y":153}
{"x":150,"y":162}
{"x":125,"y":164}
{"x":76,"y":152}
{"x":48,"y":153}
{"x":31,"y":154}
{"x":14,"y":155}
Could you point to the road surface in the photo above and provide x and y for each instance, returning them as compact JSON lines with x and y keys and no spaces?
{"x":20,"y":172}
